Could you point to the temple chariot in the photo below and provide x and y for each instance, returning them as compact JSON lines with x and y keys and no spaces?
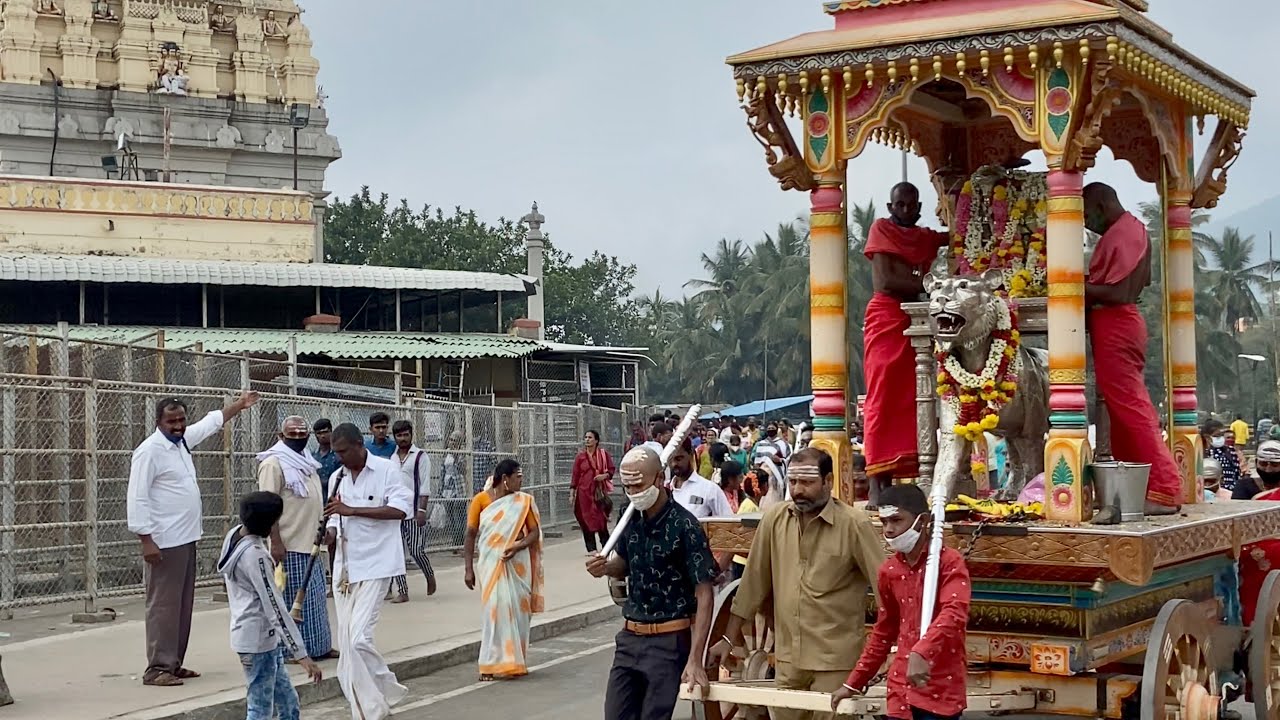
{"x":1136,"y":620}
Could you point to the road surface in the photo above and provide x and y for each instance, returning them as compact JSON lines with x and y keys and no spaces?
{"x":566,"y":682}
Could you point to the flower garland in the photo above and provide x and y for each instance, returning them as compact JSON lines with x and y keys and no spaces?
{"x":977,"y":398}
{"x":1001,"y":220}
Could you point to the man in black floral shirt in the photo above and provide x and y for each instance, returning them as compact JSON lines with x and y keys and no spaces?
{"x":669,"y":568}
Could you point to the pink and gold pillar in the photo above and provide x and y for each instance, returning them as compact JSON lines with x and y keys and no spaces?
{"x":1067,"y":452}
{"x":829,"y":323}
{"x":1181,"y":336}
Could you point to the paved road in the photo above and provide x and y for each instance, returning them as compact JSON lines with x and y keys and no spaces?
{"x":566,"y":682}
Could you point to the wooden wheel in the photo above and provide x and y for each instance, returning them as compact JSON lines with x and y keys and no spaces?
{"x":1264,"y":650}
{"x":758,"y":638}
{"x":1179,"y":681}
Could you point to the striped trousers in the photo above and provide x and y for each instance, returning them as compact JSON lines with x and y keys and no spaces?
{"x":415,"y":546}
{"x":315,"y":611}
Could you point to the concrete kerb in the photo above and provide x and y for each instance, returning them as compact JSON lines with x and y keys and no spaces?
{"x":408,"y":663}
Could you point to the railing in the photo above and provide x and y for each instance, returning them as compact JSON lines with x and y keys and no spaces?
{"x":66,"y":442}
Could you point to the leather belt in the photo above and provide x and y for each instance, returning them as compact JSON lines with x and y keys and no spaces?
{"x":658,"y":628}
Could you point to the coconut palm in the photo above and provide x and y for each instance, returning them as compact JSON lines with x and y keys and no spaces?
{"x":1232,"y":276}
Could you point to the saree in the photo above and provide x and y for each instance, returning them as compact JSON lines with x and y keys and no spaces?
{"x":511,"y":589}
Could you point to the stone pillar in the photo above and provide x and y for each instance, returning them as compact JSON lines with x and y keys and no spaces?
{"x":1067,"y":452}
{"x":79,"y":48}
{"x":300,"y":67}
{"x":132,"y":53}
{"x":828,"y":324}
{"x":202,"y":61}
{"x":1181,"y":308}
{"x":535,"y":244}
{"x":19,"y":43}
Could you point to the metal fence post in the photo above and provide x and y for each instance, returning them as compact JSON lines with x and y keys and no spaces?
{"x":293,"y":365}
{"x":8,"y":490}
{"x":91,"y":496}
{"x":551,"y":463}
{"x":61,"y":367}
{"x":399,"y":380}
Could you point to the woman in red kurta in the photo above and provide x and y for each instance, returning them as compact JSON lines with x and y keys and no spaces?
{"x":593,"y":472}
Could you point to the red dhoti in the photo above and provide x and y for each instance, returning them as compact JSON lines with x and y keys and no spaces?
{"x":1118,"y":337}
{"x":889,"y":428}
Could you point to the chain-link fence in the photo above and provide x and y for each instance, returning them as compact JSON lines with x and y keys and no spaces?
{"x":66,"y":442}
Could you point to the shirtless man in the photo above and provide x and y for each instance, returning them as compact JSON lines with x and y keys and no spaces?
{"x":1118,"y":272}
{"x":900,"y":255}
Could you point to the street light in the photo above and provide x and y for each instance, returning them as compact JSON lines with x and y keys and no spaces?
{"x":1256,"y":360}
{"x":299,"y":118}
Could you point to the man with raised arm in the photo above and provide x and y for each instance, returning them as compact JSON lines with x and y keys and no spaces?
{"x":1118,"y":272}
{"x":900,"y":255}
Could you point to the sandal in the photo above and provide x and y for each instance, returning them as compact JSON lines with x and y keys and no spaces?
{"x":185,"y":674}
{"x":487,"y":678}
{"x":162,"y":679}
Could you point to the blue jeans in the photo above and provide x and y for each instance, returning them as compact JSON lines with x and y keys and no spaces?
{"x":270,"y":691}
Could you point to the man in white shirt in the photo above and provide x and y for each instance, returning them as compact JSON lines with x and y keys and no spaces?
{"x":164,"y":511}
{"x":693,"y":492}
{"x":415,"y":467}
{"x":364,"y":520}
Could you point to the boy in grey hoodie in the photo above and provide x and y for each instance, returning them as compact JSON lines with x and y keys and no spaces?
{"x":261,"y":630}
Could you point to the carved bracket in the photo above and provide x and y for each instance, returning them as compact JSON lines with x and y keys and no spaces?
{"x":1211,"y":180}
{"x":786,"y":163}
{"x":1106,"y":94}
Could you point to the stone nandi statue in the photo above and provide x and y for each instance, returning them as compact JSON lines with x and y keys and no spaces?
{"x":966,"y":313}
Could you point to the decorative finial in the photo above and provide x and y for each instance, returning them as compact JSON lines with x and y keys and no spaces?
{"x":534,"y":220}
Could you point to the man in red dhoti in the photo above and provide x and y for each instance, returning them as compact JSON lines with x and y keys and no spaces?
{"x":900,"y":255}
{"x":1120,"y":269}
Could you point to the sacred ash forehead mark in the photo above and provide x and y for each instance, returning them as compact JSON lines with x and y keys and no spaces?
{"x":804,"y":472}
{"x":887,"y":511}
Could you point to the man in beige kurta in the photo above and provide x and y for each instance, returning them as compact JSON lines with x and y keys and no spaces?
{"x":813,"y":558}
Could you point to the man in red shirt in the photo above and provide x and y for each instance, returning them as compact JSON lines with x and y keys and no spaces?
{"x":927,"y":678}
{"x":900,"y":253}
{"x":1118,"y":272}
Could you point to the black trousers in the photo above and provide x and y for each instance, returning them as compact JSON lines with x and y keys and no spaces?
{"x":589,"y":538}
{"x":645,"y":678}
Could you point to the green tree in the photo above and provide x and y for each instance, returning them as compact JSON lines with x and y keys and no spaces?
{"x":586,"y":302}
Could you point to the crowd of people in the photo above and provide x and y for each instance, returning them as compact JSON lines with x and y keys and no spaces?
{"x":369,"y":501}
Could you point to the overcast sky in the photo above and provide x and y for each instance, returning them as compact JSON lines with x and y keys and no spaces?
{"x":622,"y":121}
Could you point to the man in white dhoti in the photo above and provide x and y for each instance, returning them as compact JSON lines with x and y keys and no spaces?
{"x":369,"y":502}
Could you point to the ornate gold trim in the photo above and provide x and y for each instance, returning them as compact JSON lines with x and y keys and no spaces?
{"x":827,"y":382}
{"x":1185,"y":380}
{"x":1072,"y":290}
{"x":826,"y":220}
{"x":826,"y":300}
{"x":1067,"y":377}
{"x":1060,"y":205}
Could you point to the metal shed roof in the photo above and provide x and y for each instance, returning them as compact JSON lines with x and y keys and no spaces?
{"x":161,"y":271}
{"x":339,"y":346}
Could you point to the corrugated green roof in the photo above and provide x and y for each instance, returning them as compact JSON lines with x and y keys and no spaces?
{"x":340,"y":345}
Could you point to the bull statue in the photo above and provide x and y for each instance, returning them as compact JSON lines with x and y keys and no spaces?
{"x":966,"y":312}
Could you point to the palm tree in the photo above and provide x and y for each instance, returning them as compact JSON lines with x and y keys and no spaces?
{"x":1233,"y":276}
{"x":1152,"y":216}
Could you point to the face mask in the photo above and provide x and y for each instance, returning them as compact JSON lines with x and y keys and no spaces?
{"x":1270,"y":479}
{"x":644,"y":499}
{"x":1217,"y":442}
{"x":906,"y":542}
{"x":296,"y":444}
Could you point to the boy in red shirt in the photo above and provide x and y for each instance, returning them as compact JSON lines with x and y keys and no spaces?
{"x":927,"y":678}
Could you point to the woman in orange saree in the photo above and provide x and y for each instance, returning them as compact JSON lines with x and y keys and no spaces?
{"x":504,"y":554}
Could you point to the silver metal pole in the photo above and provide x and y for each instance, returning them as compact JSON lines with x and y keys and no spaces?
{"x":91,"y":496}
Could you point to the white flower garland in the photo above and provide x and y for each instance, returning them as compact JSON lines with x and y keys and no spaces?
{"x":966,"y":379}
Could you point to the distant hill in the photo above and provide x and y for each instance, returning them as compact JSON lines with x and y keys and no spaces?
{"x":1255,"y":221}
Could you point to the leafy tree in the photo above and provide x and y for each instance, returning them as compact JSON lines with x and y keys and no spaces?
{"x":586,"y":302}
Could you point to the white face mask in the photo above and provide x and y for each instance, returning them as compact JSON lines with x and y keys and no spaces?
{"x":906,"y":542}
{"x":1217,"y":442}
{"x":644,"y":499}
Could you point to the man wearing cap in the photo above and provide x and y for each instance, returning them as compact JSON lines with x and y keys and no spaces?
{"x":813,"y":557}
{"x":1267,"y":466}
{"x":664,"y":556}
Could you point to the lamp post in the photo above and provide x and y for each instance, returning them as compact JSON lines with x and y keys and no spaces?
{"x":1256,"y":360}
{"x":299,"y":118}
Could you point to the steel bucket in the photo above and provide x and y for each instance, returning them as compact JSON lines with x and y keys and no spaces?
{"x":1122,"y":485}
{"x":618,"y":591}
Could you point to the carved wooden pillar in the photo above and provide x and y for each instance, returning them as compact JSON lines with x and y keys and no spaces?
{"x":926,"y":400}
{"x":1181,"y":321}
{"x":828,"y":322}
{"x":1067,"y":452}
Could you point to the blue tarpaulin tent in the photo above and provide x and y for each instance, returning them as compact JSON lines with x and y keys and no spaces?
{"x":760,"y":407}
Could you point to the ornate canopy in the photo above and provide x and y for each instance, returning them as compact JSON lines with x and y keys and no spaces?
{"x":964,"y":83}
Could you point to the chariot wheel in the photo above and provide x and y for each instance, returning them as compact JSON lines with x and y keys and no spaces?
{"x":1179,"y":680}
{"x":758,"y":665}
{"x":1264,"y":650}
